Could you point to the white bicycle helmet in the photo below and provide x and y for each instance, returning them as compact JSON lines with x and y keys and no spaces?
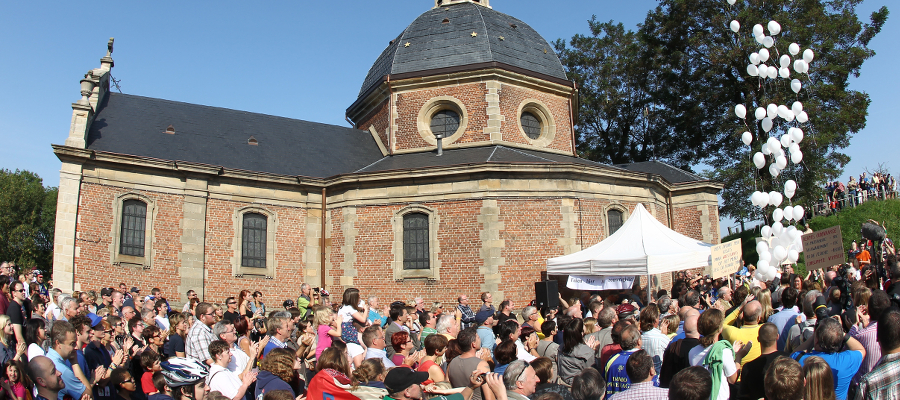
{"x":181,"y":371}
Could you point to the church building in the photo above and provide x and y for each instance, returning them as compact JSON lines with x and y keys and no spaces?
{"x":458,"y":176}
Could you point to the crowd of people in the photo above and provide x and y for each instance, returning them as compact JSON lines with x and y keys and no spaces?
{"x":833,"y":334}
{"x":857,"y":191}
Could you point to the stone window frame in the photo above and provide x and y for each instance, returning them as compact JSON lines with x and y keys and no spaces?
{"x":237,"y":220}
{"x":124,"y":260}
{"x":543,"y":114}
{"x":434,"y":224}
{"x":617,"y":207}
{"x":432,"y":107}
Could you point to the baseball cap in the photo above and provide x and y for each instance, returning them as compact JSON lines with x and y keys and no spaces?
{"x":106,"y":291}
{"x":95,"y":319}
{"x":482,"y":316}
{"x":398,"y":379}
{"x":149,"y":297}
{"x":288,"y":304}
{"x":134,"y":289}
{"x":625,"y":310}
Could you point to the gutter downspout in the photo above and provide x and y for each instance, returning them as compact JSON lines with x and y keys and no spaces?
{"x":669,"y":206}
{"x":322,"y":244}
{"x":390,"y":128}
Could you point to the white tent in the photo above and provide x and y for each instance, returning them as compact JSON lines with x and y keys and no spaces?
{"x":642,"y":246}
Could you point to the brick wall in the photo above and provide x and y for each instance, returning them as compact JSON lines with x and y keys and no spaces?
{"x":410,"y":103}
{"x":96,"y":216}
{"x":380,"y":118}
{"x":510,"y":98}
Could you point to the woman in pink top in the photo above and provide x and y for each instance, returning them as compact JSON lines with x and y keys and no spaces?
{"x":326,"y":329}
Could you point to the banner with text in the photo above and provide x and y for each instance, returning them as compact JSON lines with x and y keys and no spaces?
{"x":726,"y":259}
{"x":580,"y":282}
{"x":824,"y":248}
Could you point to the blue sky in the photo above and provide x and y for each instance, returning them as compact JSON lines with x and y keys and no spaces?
{"x":297,"y":59}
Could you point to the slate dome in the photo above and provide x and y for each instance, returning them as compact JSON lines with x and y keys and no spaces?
{"x":443,"y":38}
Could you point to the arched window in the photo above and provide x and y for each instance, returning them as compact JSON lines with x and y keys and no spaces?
{"x":614,"y":219}
{"x":134,"y":222}
{"x":253,"y":241}
{"x":416,"y":253}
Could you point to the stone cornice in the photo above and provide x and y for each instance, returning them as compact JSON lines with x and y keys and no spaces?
{"x":600,"y":173}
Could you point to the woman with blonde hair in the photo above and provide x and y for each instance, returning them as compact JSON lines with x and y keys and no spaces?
{"x":819,"y":379}
{"x":765,"y":299}
{"x":327,"y":327}
{"x":6,"y":332}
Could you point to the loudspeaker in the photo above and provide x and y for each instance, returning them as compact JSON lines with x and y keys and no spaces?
{"x":546,"y":294}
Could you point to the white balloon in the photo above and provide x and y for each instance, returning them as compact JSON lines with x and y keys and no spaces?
{"x":777,"y":215}
{"x":775,"y":198}
{"x":793,"y":255}
{"x":774,"y":28}
{"x":763,"y":70}
{"x":762,"y":265}
{"x":763,"y":55}
{"x":768,"y":41}
{"x":757,"y":30}
{"x":762,"y":199}
{"x":785,"y":140}
{"x":797,"y":157}
{"x":777,"y":228}
{"x":779,"y":253}
{"x":784,"y":72}
{"x":784,"y":61}
{"x":760,"y":113}
{"x":797,"y":134}
{"x":788,"y":213}
{"x":790,"y":184}
{"x":766,"y":231}
{"x":765,"y":255}
{"x":747,"y":138}
{"x":808,"y":55}
{"x":731,"y":2}
{"x":796,"y":85}
{"x":804,"y":67}
{"x":766,"y":150}
{"x":794,"y":148}
{"x":798,"y":66}
{"x":798,"y":212}
{"x":771,"y":110}
{"x":789,"y":193}
{"x":773,"y":144}
{"x":773,"y":72}
{"x":781,"y":162}
{"x":790,"y":117}
{"x":735,"y":26}
{"x":783,"y":112}
{"x":759,"y":160}
{"x":754,"y":58}
{"x":802,"y":117}
{"x":762,"y":246}
{"x":759,"y":38}
{"x":767,"y":124}
{"x":752,"y":70}
{"x":797,"y":107}
{"x":740,"y":111}
{"x":794,"y":48}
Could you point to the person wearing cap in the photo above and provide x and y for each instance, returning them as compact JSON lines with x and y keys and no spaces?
{"x":105,"y":298}
{"x":96,"y":355}
{"x":405,"y":384}
{"x":485,"y":322}
{"x":626,"y":311}
{"x":130,"y":297}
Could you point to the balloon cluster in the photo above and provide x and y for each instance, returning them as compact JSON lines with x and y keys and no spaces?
{"x":780,"y":244}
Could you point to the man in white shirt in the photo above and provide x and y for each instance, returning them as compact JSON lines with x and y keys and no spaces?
{"x":374,"y":339}
{"x":223,"y":380}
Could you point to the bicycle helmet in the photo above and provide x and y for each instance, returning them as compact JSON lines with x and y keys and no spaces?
{"x":180,"y":371}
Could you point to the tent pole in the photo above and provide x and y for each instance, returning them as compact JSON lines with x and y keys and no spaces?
{"x":649,"y":289}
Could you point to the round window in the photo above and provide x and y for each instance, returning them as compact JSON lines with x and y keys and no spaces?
{"x":444,"y":123}
{"x":531,"y":125}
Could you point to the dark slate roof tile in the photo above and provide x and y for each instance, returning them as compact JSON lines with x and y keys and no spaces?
{"x":668,"y":172}
{"x":135,"y":125}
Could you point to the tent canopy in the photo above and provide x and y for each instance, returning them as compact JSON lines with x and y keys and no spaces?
{"x":642,"y":246}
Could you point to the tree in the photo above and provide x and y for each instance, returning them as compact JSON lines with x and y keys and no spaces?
{"x":686,"y":65}
{"x":27,"y":220}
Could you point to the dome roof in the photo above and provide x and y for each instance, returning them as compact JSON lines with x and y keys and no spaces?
{"x":462,"y":34}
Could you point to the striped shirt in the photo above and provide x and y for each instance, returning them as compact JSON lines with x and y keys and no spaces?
{"x":881,"y":382}
{"x":198,"y":340}
{"x":655,"y":343}
{"x":642,"y":391}
{"x":868,"y":338}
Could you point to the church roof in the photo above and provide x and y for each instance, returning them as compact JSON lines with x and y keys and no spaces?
{"x":473,"y":155}
{"x":668,"y":172}
{"x":464,"y":34}
{"x":135,"y":125}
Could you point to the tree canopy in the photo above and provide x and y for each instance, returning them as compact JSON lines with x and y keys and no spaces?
{"x":667,"y":91}
{"x":27,"y":220}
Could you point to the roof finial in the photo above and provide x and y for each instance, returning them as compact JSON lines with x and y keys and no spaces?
{"x":106,"y":62}
{"x":441,"y":3}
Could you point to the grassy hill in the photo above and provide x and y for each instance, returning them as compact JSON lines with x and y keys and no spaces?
{"x":850,"y":220}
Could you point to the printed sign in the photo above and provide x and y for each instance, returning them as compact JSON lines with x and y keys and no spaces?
{"x":824,"y":248}
{"x":580,"y":282}
{"x":726,"y":259}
